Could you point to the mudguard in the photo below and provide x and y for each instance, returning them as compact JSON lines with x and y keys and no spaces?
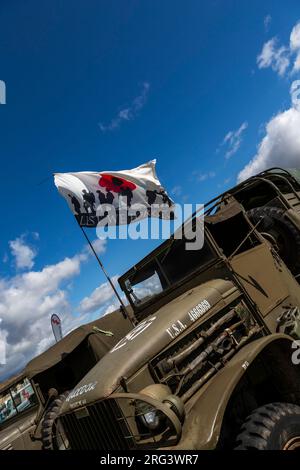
{"x":203,"y":423}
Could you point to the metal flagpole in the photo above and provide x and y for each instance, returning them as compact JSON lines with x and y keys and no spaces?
{"x":122,"y":305}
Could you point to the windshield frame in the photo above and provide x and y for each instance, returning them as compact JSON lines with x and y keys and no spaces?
{"x":153,"y":256}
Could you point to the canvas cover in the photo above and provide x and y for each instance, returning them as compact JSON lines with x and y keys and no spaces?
{"x":101,"y":342}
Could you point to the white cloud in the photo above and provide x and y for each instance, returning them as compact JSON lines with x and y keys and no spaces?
{"x":27,"y":297}
{"x":296,"y":67}
{"x":279,"y":57}
{"x":274,"y":56}
{"x":98,"y":298}
{"x":200,"y":177}
{"x":295,"y":46}
{"x":280,"y":146}
{"x":24,"y":254}
{"x":233,"y":140}
{"x":295,"y":38}
{"x":267,"y":22}
{"x":99,"y":245}
{"x":225,"y":182}
{"x":112,"y":307}
{"x":176,"y":190}
{"x":128,"y":113}
{"x":295,"y":94}
{"x":27,"y":301}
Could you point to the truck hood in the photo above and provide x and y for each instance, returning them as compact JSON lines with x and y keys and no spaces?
{"x":146,"y":340}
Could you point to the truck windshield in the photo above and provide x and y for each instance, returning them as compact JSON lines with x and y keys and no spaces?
{"x":16,"y":399}
{"x":171,"y":265}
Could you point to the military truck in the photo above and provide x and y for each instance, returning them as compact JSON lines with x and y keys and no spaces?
{"x":213,"y":362}
{"x":30,"y":401}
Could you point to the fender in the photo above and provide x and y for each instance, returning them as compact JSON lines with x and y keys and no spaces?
{"x":205,"y":414}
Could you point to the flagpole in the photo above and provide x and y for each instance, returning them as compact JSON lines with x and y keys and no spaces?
{"x":122,"y":305}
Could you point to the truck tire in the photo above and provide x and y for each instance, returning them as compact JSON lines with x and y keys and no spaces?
{"x":281,"y":232}
{"x":49,"y":438}
{"x":271,"y":427}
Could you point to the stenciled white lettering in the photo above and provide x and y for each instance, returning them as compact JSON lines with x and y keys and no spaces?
{"x":133,"y":334}
{"x":80,"y":390}
{"x":176,"y":328}
{"x":199,"y":310}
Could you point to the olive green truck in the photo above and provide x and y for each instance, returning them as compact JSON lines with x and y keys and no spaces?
{"x":213,"y":361}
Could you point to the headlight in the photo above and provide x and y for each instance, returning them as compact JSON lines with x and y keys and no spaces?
{"x":151,"y":420}
{"x":149,"y":416}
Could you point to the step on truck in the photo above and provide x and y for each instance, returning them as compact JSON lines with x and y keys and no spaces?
{"x":213,"y":361}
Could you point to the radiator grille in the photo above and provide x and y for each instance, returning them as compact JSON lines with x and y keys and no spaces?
{"x":101,"y":427}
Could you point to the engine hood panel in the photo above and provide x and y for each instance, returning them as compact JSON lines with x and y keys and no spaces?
{"x":147,"y":339}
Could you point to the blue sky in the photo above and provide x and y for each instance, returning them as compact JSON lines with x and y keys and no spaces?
{"x":70,"y":68}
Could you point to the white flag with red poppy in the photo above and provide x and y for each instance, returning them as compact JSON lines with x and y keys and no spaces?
{"x":133,"y":194}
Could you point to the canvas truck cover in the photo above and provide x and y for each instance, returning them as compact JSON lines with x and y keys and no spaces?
{"x":101,"y":343}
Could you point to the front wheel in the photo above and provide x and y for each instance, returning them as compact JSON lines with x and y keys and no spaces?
{"x":51,"y":434}
{"x":271,"y":427}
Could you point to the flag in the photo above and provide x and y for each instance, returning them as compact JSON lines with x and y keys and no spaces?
{"x":119,"y":197}
{"x":56,"y":327}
